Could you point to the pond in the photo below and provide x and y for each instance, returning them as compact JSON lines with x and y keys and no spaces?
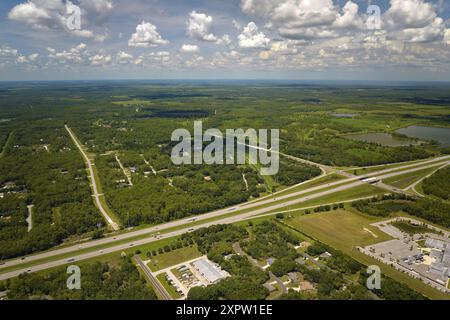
{"x":385,"y":139}
{"x":441,"y":135}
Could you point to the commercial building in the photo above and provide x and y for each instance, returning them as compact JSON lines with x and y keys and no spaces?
{"x":209,"y":270}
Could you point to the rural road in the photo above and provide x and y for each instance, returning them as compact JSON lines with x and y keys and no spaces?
{"x":160,"y":290}
{"x":341,"y":186}
{"x":96,"y":194}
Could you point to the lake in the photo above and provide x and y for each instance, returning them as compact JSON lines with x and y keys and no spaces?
{"x":385,"y":139}
{"x":441,"y":135}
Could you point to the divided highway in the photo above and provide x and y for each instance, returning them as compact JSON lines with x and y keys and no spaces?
{"x":260,"y":207}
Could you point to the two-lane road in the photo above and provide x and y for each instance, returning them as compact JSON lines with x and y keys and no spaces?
{"x":96,"y":194}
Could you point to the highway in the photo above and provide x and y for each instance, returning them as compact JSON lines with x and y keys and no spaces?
{"x":351,"y":183}
{"x":96,"y":195}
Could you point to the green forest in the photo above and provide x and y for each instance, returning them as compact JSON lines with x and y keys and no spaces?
{"x":99,"y":281}
{"x":438,"y":184}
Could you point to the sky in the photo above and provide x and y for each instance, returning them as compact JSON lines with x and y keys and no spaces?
{"x":225,"y":39}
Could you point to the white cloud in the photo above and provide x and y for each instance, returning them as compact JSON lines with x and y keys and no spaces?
{"x":225,"y":40}
{"x":98,"y":6}
{"x":52,"y":15}
{"x":251,"y":38}
{"x":350,"y":17}
{"x":413,"y":21}
{"x":33,"y":57}
{"x":304,"y":13}
{"x":22,"y":59}
{"x":6,"y":52}
{"x":307,"y":33}
{"x":305,"y":19}
{"x":38,"y":17}
{"x":258,"y":7}
{"x":406,"y":14}
{"x":236,"y":25}
{"x":199,"y":27}
{"x":189,"y":48}
{"x":432,"y":32}
{"x":100,"y":59}
{"x":146,"y":36}
{"x":162,"y":57}
{"x":75,"y":55}
{"x":124,"y":58}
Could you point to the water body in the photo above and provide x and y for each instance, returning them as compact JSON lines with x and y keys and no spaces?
{"x":441,"y":135}
{"x":384,"y":139}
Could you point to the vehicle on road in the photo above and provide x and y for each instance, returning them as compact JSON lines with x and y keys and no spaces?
{"x":71,"y":260}
{"x":371,"y":180}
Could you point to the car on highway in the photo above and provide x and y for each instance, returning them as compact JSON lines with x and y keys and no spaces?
{"x":71,"y":260}
{"x":132,"y":245}
{"x":1,"y":263}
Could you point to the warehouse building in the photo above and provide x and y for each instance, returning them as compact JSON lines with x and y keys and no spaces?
{"x":209,"y":270}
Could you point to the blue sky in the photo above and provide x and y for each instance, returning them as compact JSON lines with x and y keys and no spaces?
{"x":225,"y":39}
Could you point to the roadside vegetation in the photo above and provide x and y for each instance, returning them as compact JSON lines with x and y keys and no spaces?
{"x":438,"y":184}
{"x":434,"y":211}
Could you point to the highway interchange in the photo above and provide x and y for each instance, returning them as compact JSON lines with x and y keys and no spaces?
{"x":121,"y":242}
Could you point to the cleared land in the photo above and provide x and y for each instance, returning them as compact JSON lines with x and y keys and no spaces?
{"x":172,"y":258}
{"x":340,"y":229}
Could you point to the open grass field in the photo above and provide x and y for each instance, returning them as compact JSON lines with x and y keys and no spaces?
{"x":172,"y":258}
{"x":340,"y":229}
